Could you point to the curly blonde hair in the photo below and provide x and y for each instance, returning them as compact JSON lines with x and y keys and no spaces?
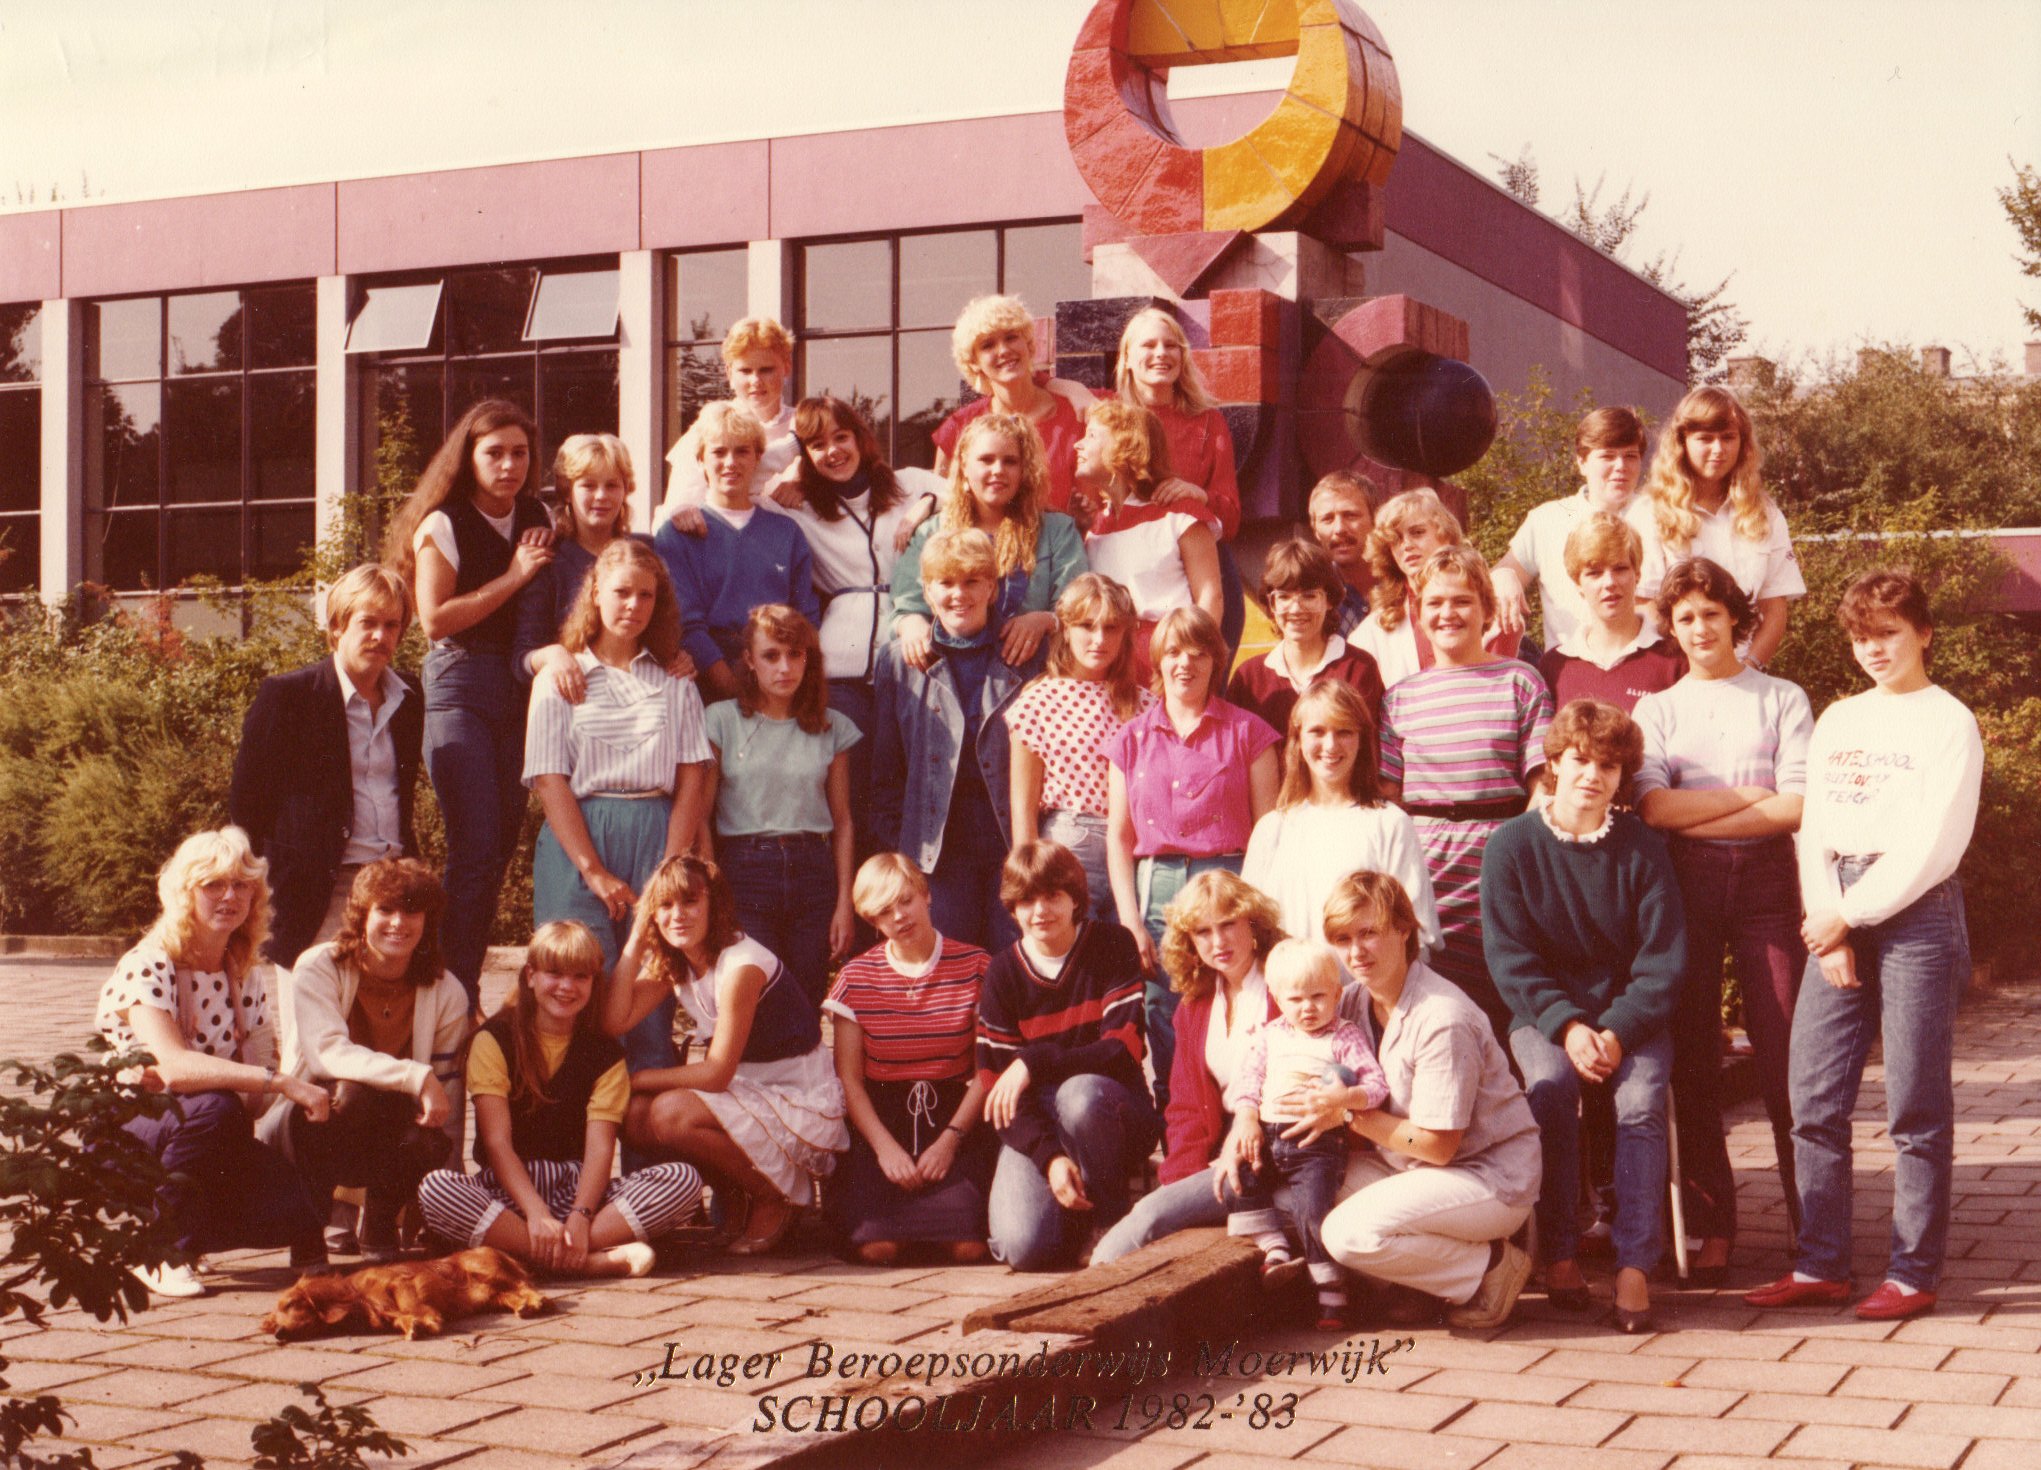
{"x":1391,"y":591}
{"x":1215,"y":897}
{"x":1188,"y":393}
{"x":210,"y":857}
{"x":983,"y":317}
{"x":1137,"y":451}
{"x":1671,"y":484}
{"x":1019,"y":530}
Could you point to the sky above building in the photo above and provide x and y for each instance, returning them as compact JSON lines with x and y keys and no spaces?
{"x":1840,"y":159}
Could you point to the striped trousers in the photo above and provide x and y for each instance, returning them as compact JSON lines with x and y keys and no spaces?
{"x":653,"y":1200}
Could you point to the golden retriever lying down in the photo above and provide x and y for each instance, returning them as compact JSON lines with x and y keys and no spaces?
{"x":411,"y":1297}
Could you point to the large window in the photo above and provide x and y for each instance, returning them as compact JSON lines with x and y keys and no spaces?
{"x":199,"y":436}
{"x":874,"y":316}
{"x":543,"y":336}
{"x":21,"y":446}
{"x":707,"y":293}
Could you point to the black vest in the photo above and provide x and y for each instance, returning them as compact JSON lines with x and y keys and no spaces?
{"x":485,"y":556}
{"x":558,"y":1129}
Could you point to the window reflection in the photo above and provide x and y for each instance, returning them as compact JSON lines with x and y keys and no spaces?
{"x":174,"y":456}
{"x":858,"y":370}
{"x":1045,"y":265}
{"x":940,"y":273}
{"x":126,"y":339}
{"x":573,"y":304}
{"x":847,"y":287}
{"x":486,"y":309}
{"x":395,"y":318}
{"x":202,"y":432}
{"x":282,"y":459}
{"x":282,"y":327}
{"x":21,"y":448}
{"x":21,"y":344}
{"x":865,"y":301}
{"x":205,"y":332}
{"x":707,"y":293}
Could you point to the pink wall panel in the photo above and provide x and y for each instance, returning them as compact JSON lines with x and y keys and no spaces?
{"x":1437,"y":203}
{"x":30,"y":263}
{"x":210,"y":240}
{"x":521,"y":211}
{"x":930,"y":174}
{"x":712,"y":195}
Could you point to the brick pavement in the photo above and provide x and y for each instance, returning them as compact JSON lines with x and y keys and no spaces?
{"x":1720,"y":1387}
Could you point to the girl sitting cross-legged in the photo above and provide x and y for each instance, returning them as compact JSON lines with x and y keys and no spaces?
{"x":550,"y":1090}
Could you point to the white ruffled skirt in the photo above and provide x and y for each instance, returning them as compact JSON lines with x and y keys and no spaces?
{"x":788,"y":1117}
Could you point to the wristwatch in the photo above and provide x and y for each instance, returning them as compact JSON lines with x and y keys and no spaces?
{"x":1346,"y":1117}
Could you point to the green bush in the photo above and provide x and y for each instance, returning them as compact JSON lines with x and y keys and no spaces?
{"x":117,"y":740}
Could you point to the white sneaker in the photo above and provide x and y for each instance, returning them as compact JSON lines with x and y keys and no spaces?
{"x":636,"y":1255}
{"x":171,"y":1281}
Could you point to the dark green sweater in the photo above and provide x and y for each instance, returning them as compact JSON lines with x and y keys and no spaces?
{"x":1580,"y":931}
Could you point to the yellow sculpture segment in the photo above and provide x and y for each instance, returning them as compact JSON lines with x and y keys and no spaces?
{"x":1341,"y":117}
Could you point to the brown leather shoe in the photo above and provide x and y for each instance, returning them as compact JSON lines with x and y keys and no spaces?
{"x":1788,"y":1291}
{"x":1888,"y":1304}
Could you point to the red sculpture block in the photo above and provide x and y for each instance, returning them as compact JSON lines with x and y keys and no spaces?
{"x":1090,"y":101}
{"x":1239,"y":374}
{"x":1246,"y":318}
{"x":1172,"y":196}
{"x":1183,"y":261}
{"x":1116,"y":157}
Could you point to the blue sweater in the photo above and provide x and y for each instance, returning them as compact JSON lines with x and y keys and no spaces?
{"x":1583,"y":931}
{"x":722,"y":576}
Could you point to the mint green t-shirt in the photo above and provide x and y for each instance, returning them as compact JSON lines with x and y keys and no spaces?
{"x":774,"y":774}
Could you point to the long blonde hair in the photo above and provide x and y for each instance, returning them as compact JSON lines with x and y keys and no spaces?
{"x":661,"y":637}
{"x":1344,"y":710}
{"x":1221,"y":897}
{"x":1188,"y":393}
{"x":1013,"y":546}
{"x":1671,"y":483}
{"x":1391,"y":591}
{"x":562,"y":947}
{"x":202,"y":858}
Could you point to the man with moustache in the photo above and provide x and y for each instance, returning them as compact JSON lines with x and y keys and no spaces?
{"x":1342,"y":514}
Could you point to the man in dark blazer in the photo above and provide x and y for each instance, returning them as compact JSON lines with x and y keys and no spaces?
{"x":328,"y":762}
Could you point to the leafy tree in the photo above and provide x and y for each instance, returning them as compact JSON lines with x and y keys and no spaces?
{"x":1715,"y":328}
{"x":1879,"y":441}
{"x":2021,"y":200}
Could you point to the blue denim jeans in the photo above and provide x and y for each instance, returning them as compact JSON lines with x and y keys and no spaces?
{"x":1312,"y":1170}
{"x":226,"y":1190}
{"x":1085,"y":835}
{"x":852,"y":698}
{"x":1106,"y":1130}
{"x":1181,"y":1205}
{"x":963,"y":891}
{"x":474,"y":753}
{"x":1911,"y":970}
{"x":1553,"y":1089}
{"x":784,"y":885}
{"x":1743,"y":897}
{"x":1160,"y":879}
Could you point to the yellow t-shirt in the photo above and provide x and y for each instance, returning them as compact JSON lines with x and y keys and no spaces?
{"x":489,"y":1076}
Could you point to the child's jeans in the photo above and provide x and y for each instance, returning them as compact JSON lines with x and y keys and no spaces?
{"x":1312,"y":1170}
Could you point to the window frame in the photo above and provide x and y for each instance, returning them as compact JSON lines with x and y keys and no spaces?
{"x":804,"y":335}
{"x":97,"y":512}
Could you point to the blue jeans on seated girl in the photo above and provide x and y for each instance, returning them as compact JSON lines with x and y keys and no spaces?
{"x":784,"y":886}
{"x":1641,"y":1082}
{"x":1312,"y":1170}
{"x":227,"y":1191}
{"x":1911,"y":970}
{"x":1106,"y":1130}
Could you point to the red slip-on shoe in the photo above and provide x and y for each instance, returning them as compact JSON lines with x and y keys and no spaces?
{"x":1888,"y":1304}
{"x":1788,"y":1291}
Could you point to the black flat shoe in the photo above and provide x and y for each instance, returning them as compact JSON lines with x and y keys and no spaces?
{"x":1568,"y":1298}
{"x":1708,"y":1278}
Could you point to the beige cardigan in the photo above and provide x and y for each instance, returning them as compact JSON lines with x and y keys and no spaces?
{"x":312,"y":1007}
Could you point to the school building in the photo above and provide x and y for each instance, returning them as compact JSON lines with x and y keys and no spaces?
{"x":192,"y":387}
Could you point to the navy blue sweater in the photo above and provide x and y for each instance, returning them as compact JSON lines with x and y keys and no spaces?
{"x":1584,"y":931}
{"x":722,"y":576}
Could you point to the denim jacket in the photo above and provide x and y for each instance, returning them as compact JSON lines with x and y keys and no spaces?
{"x":918,"y":741}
